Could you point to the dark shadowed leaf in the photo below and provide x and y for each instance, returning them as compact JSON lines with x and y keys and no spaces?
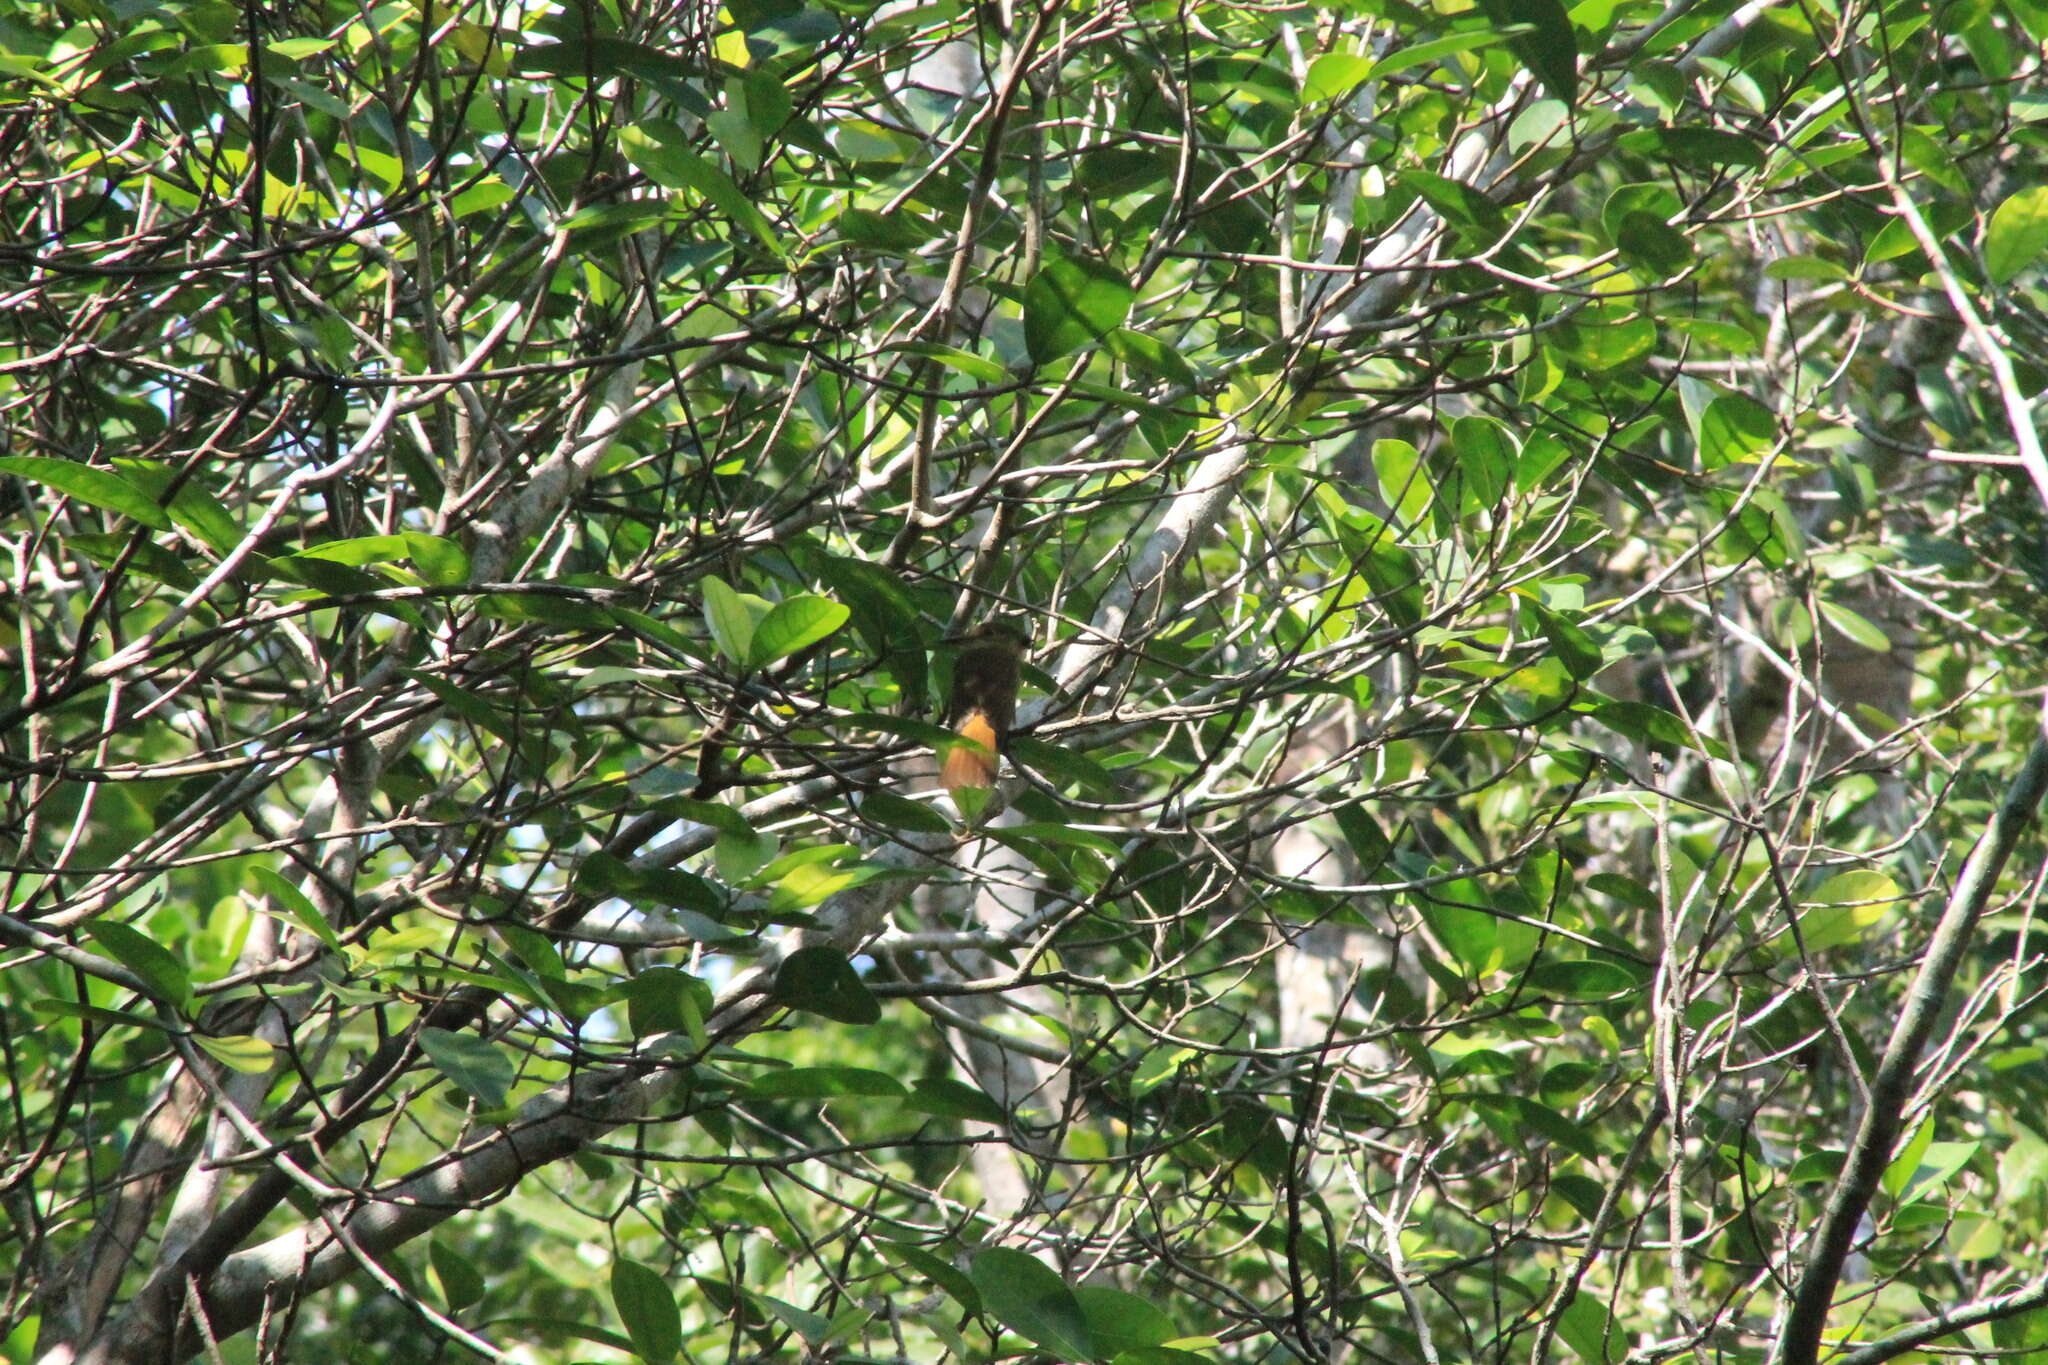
{"x":1548,"y":48}
{"x":820,"y":979}
{"x":1071,"y":302}
{"x":648,"y":1308}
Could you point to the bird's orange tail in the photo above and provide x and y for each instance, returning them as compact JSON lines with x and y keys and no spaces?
{"x":965,"y":765}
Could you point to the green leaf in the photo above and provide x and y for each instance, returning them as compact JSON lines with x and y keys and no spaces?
{"x":1907,"y":1158}
{"x":733,"y":618}
{"x":886,"y":808}
{"x":767,"y":102}
{"x":1642,"y":721}
{"x":807,"y":885}
{"x":939,"y":1271}
{"x":1893,"y":240}
{"x":582,"y":1331}
{"x":108,"y":548}
{"x":1938,"y":1161}
{"x":358,"y":550}
{"x":1455,"y":916}
{"x":160,"y":970}
{"x":1159,"y":1065}
{"x":478,"y":1067}
{"x":1527,"y":1116}
{"x":1541,"y":454}
{"x":820,"y":979}
{"x":952,"y":357}
{"x":99,"y":487}
{"x":1699,"y":149}
{"x":1583,"y":979}
{"x":290,"y":904}
{"x":1071,"y":302}
{"x":1151,"y":356}
{"x":1649,"y":239}
{"x":794,"y":625}
{"x":460,"y":1283}
{"x":1857,"y":628}
{"x":897,"y":232}
{"x":1735,"y":429}
{"x":1423,"y":54}
{"x":1120,"y":1322}
{"x":1845,"y":908}
{"x":1590,"y":1330}
{"x":239,"y":1052}
{"x":481,"y":198}
{"x":1607,"y":335}
{"x":1068,"y":836}
{"x":1477,"y":219}
{"x":2018,"y":234}
{"x":1549,"y":49}
{"x":1064,"y":764}
{"x":469,"y":705}
{"x":740,"y":855}
{"x":71,"y":1009}
{"x":1805,"y":268}
{"x":887,"y":618}
{"x":327,"y":576}
{"x":663,"y":150}
{"x":1368,"y":842}
{"x":1334,"y":75}
{"x":660,"y":634}
{"x":1637,"y":219}
{"x":945,"y":1098}
{"x":201,"y":513}
{"x":803,"y":1322}
{"x":535,"y":950}
{"x":825,"y":1082}
{"x":1654,"y":198}
{"x":1859,"y":887}
{"x":648,"y":1308}
{"x":1486,"y":459}
{"x":605,"y":874}
{"x":440,"y":560}
{"x":1572,"y":647}
{"x":736,"y":136}
{"x":1032,"y":1301}
{"x":1403,"y":478}
{"x":296,"y":49}
{"x":1166,"y":1355}
{"x":1715,"y":334}
{"x":667,"y":1000}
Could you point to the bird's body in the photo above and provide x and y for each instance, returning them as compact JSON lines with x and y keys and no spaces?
{"x":982,"y":704}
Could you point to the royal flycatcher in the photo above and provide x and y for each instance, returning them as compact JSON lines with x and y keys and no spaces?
{"x":983,"y":703}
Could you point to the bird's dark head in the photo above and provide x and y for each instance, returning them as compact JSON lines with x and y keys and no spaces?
{"x":1001,"y":632}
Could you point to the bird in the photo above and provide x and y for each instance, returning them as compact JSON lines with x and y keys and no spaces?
{"x":982,"y":703}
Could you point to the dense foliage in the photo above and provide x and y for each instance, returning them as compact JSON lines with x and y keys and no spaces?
{"x":1519,"y":843}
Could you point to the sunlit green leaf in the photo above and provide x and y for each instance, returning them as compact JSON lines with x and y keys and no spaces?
{"x":793,"y":625}
{"x":1333,"y":76}
{"x":99,"y":487}
{"x":2018,"y":234}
